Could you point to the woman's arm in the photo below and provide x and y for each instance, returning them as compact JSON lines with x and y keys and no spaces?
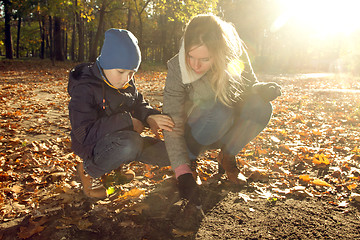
{"x":174,"y":106}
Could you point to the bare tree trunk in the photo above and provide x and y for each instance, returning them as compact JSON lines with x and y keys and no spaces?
{"x":51,"y":41}
{"x":139,"y":12}
{"x":81,"y":56}
{"x":18,"y":36}
{"x":73,"y":40}
{"x":65,"y":43}
{"x":8,"y":41}
{"x":58,"y":46}
{"x":42,"y":35}
{"x":129,"y":17}
{"x":90,"y":35}
{"x":94,"y":47}
{"x":73,"y":35}
{"x":163,"y":42}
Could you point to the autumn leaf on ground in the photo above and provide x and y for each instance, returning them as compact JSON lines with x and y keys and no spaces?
{"x":320,"y":159}
{"x":305,"y":178}
{"x":351,"y":186}
{"x":33,"y":228}
{"x":319,"y":182}
{"x":133,"y":193}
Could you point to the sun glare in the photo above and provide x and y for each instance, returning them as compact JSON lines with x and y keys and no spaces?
{"x":323,"y":16}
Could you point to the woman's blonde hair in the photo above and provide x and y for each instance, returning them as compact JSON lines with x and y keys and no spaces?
{"x":225,"y":47}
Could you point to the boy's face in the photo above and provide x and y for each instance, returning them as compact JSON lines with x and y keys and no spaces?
{"x":118,"y":77}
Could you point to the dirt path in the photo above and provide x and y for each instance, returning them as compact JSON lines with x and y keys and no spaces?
{"x":302,"y":172}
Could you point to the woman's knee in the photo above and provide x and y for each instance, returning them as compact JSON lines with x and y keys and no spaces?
{"x":256,"y":109}
{"x":209,"y":126}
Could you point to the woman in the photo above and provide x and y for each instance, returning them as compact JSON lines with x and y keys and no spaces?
{"x":214,"y":99}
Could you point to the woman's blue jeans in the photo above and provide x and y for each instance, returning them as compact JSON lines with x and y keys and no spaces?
{"x":218,"y":126}
{"x":124,"y":147}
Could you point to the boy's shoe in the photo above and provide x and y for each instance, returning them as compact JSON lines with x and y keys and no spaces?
{"x":228,"y":163}
{"x":98,"y":192}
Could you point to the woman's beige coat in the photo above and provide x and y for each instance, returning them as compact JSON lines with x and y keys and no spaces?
{"x":179,"y":100}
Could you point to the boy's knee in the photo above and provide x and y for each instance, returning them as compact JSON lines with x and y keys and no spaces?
{"x":119,"y":147}
{"x":131,"y":146}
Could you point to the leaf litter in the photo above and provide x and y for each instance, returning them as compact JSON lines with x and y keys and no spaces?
{"x":307,"y":159}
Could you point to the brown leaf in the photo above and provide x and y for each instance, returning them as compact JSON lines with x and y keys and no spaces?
{"x":32,"y":228}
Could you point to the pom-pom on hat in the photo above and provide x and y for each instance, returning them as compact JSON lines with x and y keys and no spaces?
{"x":120,"y":50}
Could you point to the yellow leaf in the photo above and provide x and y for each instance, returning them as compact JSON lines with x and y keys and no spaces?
{"x":352,"y":186}
{"x":305,"y":178}
{"x":133,"y":193}
{"x":320,"y":159}
{"x":319,"y":182}
{"x":316,"y":132}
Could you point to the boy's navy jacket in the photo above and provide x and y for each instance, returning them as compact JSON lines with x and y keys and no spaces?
{"x":96,"y":109}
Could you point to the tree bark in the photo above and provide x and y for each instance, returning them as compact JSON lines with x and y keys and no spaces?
{"x":51,"y":41}
{"x":139,"y":12}
{"x":18,"y":36}
{"x":65,"y":43}
{"x":8,"y":41}
{"x":73,"y":35}
{"x":81,"y":56}
{"x":58,"y":46}
{"x":94,"y":51}
{"x":73,"y":39}
{"x":129,"y":17}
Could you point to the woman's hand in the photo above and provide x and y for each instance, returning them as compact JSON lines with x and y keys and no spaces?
{"x":267,"y":90}
{"x":159,"y":121}
{"x":137,"y":125}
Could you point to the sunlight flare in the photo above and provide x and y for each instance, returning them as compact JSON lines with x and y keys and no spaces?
{"x":324,"y":16}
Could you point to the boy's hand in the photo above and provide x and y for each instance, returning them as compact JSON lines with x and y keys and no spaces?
{"x":137,"y":125}
{"x":159,"y":121}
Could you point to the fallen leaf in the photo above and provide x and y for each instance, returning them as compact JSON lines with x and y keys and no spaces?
{"x":140,"y":207}
{"x":319,"y":182}
{"x":355,"y":197}
{"x":133,"y":193}
{"x":305,"y":178}
{"x":16,"y":188}
{"x":83,"y":224}
{"x":32,"y":228}
{"x":351,"y":186}
{"x":127,"y":223}
{"x":181,"y":233}
{"x":245,"y":197}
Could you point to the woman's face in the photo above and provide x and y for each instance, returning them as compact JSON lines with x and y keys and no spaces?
{"x":118,"y":77}
{"x":199,"y":59}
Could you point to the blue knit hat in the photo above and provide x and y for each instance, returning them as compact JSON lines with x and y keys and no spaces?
{"x":120,"y":50}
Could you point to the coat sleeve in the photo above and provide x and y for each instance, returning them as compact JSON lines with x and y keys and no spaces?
{"x":248,"y":78}
{"x":142,"y":108}
{"x":248,"y":75}
{"x":174,"y":105}
{"x":87,"y":122}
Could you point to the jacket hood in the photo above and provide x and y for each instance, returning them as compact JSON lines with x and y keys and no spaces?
{"x":82,"y":74}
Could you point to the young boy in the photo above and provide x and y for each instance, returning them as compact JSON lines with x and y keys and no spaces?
{"x":108,"y":114}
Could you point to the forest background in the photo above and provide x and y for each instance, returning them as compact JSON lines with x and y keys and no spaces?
{"x":281,"y":36}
